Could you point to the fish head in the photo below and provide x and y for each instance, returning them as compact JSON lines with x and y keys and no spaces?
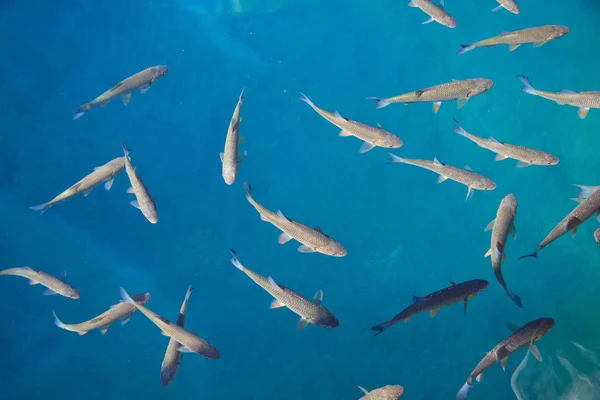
{"x":327,"y":320}
{"x":512,"y":6}
{"x":72,"y":293}
{"x":151,"y":216}
{"x":510,"y":201}
{"x":484,"y":183}
{"x":544,"y":326}
{"x":477,"y":286}
{"x":481,"y":85}
{"x":392,"y":141}
{"x":160,"y":70}
{"x":549,"y":159}
{"x":333,"y":248}
{"x":141,"y":298}
{"x":211,"y":353}
{"x":448,"y":21}
{"x":229,"y":175}
{"x":559,"y":31}
{"x":166,"y":376}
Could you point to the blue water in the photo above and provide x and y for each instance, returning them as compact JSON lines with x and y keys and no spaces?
{"x":405,"y":234}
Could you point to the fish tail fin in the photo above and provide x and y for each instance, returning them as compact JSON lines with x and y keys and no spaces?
{"x":57,"y":321}
{"x":82,"y":109}
{"x":125,"y":149}
{"x":126,"y":297}
{"x":42,"y":208}
{"x":381,"y":327}
{"x":305,"y":99}
{"x":248,"y":189}
{"x":235,"y":261}
{"x":395,"y":159}
{"x":527,"y":88}
{"x":534,"y":255}
{"x":517,"y":299}
{"x":459,"y":129}
{"x":379,"y":103}
{"x":464,"y":48}
{"x":463,"y":392}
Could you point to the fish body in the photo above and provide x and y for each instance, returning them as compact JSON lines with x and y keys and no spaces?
{"x":143,"y":201}
{"x":309,"y":311}
{"x":118,"y":312}
{"x":231,"y":157}
{"x":173,"y":357}
{"x":140,"y":81}
{"x":583,"y":100}
{"x":538,"y":36}
{"x":461,"y":91}
{"x":466,"y":177}
{"x":597,"y":236}
{"x":502,"y":226}
{"x":525,"y":336}
{"x":53,"y":284}
{"x":312,"y":239}
{"x":103,"y":174}
{"x":189,"y":341}
{"x":389,"y":392}
{"x":589,"y":204}
{"x":510,"y":5}
{"x":456,"y":293}
{"x":371,"y":136}
{"x":435,"y":12}
{"x":524,"y":155}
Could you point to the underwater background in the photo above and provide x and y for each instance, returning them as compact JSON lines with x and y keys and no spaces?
{"x":405,"y":235}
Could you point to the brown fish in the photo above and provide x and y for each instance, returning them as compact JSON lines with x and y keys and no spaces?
{"x":312,"y":239}
{"x":583,"y":100}
{"x":528,"y":335}
{"x":370,"y":135}
{"x":461,"y":91}
{"x":589,"y":199}
{"x":524,"y":155}
{"x":105,"y":173}
{"x":173,"y":357}
{"x":538,"y":36}
{"x":436,"y":13}
{"x":231,"y":157}
{"x":140,"y":81}
{"x":143,"y":201}
{"x":501,"y":227}
{"x":389,"y":392}
{"x":510,"y":5}
{"x":53,"y":284}
{"x":118,"y":312}
{"x":464,"y":176}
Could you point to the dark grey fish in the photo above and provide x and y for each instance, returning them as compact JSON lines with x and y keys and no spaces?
{"x":453,"y":294}
{"x":528,"y":335}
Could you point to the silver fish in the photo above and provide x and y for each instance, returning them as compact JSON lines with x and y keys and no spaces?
{"x":389,"y":392}
{"x":53,"y":284}
{"x":538,"y":36}
{"x":231,"y":157}
{"x":436,"y":13}
{"x":143,"y":201}
{"x":510,"y":5}
{"x":173,"y":357}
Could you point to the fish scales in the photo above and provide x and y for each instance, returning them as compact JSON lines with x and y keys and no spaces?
{"x":434,"y":11}
{"x":524,"y":36}
{"x":444,"y":92}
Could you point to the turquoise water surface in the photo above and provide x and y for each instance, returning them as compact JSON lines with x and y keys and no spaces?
{"x":405,"y":234}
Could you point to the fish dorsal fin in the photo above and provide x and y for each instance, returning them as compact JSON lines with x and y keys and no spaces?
{"x":436,"y":161}
{"x":112,"y":89}
{"x":363,"y":389}
{"x":272,"y":282}
{"x":468,"y":168}
{"x":318,"y":298}
{"x":567,"y":91}
{"x":417,"y":299}
{"x":452,"y":283}
{"x":338,"y":115}
{"x":513,"y":327}
{"x":280,"y":215}
{"x":318,"y":229}
{"x":504,"y":33}
{"x":455,"y":80}
{"x":491,"y":139}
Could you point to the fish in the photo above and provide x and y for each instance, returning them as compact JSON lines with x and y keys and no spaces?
{"x":525,"y":336}
{"x":597,"y":236}
{"x":313,"y":240}
{"x":231,"y":157}
{"x":143,"y":201}
{"x":538,"y":36}
{"x":501,"y":227}
{"x":524,"y":155}
{"x":310,"y":312}
{"x":103,"y":174}
{"x":389,"y":392}
{"x":589,"y":199}
{"x":170,"y":363}
{"x":461,"y":91}
{"x":455,"y":293}
{"x":118,"y":312}
{"x":371,"y":136}
{"x":140,"y":81}
{"x":465,"y":176}
{"x":53,"y":285}
{"x":510,"y":5}
{"x":583,"y":100}
{"x":436,"y":13}
{"x":189,"y":342}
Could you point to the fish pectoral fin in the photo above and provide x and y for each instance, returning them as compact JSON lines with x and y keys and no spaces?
{"x":572,"y":224}
{"x":49,"y":292}
{"x":130,"y":190}
{"x":490,"y":226}
{"x":276,"y":304}
{"x":81,"y":333}
{"x":512,"y":230}
{"x":583,"y":112}
{"x":469,"y":193}
{"x":124,"y":321}
{"x":126,"y":98}
{"x":135,"y":204}
{"x":488,"y":253}
{"x":538,"y":44}
{"x":32,"y":282}
{"x":366,"y":146}
{"x":301,"y":324}
{"x":411,"y":4}
{"x":441,"y":178}
{"x":221,"y":155}
{"x":103,"y":104}
{"x":360,"y":387}
{"x":466,"y":303}
{"x":104,"y":330}
{"x":479,"y":378}
{"x":344,"y":133}
{"x":86,"y":192}
{"x":284,"y":238}
{"x":108,"y":184}
{"x":513,"y":47}
{"x":497,"y":8}
{"x":461,"y":102}
{"x":512,"y":327}
{"x":164,"y":333}
{"x":503,"y":363}
{"x":241,"y":156}
{"x":452,"y":283}
{"x":578,"y":200}
{"x":500,"y":157}
{"x":430,"y":20}
{"x":144,"y":89}
{"x":183,"y":349}
{"x":536,"y":352}
{"x":318,"y":297}
{"x":434,"y":312}
{"x":523,"y":164}
{"x":305,"y":249}
{"x":112,"y":89}
{"x":436,"y":106}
